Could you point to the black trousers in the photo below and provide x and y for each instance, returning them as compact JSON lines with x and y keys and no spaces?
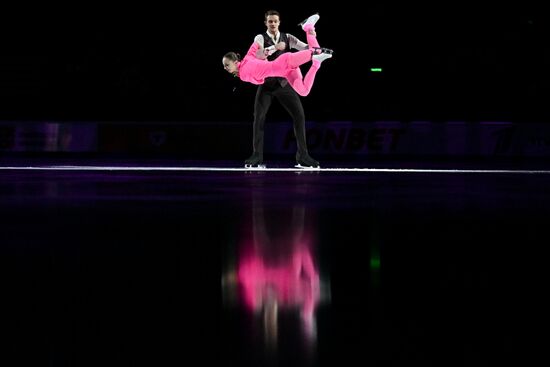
{"x":290,"y":100}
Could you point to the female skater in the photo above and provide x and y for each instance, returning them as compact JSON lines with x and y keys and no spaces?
{"x":253,"y":70}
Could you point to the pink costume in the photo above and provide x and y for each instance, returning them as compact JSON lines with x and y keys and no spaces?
{"x":295,"y":282}
{"x":254,"y":70}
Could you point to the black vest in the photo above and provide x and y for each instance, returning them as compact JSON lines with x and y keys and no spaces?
{"x":268,"y":41}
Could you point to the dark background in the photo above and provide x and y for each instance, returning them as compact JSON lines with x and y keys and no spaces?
{"x":453,"y":61}
{"x":123,"y":268}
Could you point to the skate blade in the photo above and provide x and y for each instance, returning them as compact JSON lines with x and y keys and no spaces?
{"x":255,"y":166}
{"x":307,"y":167}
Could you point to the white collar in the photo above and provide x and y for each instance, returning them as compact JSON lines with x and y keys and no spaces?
{"x":274,"y":38}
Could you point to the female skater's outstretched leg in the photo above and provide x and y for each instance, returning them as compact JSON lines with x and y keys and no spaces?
{"x":290,"y":60}
{"x":303,"y":86}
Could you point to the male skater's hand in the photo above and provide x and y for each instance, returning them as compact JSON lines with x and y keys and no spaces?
{"x":280,"y":46}
{"x":268,"y":51}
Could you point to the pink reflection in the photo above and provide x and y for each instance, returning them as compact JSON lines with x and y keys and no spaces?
{"x":293,"y":283}
{"x":276,"y":269}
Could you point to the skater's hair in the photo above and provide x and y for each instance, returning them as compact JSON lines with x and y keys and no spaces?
{"x":271,"y":12}
{"x":233,"y":56}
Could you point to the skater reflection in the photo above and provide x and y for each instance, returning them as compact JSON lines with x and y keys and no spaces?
{"x":276,"y":273}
